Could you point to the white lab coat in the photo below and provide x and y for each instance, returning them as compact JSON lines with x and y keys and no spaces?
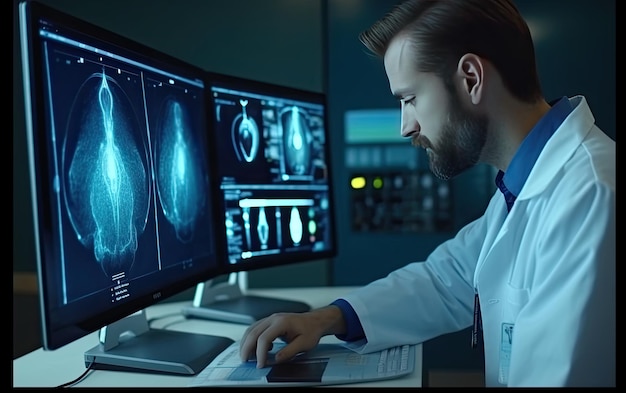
{"x":548,"y":267}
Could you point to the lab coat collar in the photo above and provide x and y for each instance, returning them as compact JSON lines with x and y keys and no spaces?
{"x":561,"y":146}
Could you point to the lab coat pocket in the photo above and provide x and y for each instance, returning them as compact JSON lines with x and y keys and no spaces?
{"x":515,"y":300}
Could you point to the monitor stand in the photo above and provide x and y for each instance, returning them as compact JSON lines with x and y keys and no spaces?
{"x":131,"y":345}
{"x":228,"y":302}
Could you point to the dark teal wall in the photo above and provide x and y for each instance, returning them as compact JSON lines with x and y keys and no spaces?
{"x":575,"y":42}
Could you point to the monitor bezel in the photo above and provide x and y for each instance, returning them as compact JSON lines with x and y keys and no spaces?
{"x":56,"y":335}
{"x":291,"y":93}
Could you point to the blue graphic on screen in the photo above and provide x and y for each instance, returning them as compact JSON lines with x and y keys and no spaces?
{"x":245,"y":135}
{"x":130,"y":170}
{"x":179,"y":173}
{"x":297,"y":139}
{"x":106,"y":174}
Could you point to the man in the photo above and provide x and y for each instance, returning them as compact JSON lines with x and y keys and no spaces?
{"x":536,"y":273}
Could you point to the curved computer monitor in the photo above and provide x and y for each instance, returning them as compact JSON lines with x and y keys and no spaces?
{"x":121,"y":188}
{"x":274,"y":177}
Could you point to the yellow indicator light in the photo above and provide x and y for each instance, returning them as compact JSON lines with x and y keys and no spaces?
{"x":357,"y":182}
{"x":377,"y":183}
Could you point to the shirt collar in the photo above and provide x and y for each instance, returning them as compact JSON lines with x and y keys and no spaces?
{"x":526,"y":156}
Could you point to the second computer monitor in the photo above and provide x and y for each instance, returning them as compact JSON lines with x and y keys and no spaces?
{"x":273,"y":173}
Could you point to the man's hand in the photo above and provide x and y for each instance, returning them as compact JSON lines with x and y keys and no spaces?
{"x":301,"y":331}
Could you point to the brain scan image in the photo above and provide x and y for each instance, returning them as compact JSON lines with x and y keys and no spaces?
{"x":245,"y":135}
{"x":105,"y":173}
{"x":179,"y":164}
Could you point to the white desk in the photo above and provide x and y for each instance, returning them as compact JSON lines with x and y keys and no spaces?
{"x":52,"y":368}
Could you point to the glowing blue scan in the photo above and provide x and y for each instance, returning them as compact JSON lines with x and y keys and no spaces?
{"x":312,"y":223}
{"x":179,"y":171}
{"x":245,"y":215}
{"x":245,"y":135}
{"x":295,"y":226}
{"x":263,"y":227}
{"x":105,"y":180}
{"x":296,"y":140}
{"x":279,"y":231}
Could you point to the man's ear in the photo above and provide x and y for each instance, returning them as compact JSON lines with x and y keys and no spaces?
{"x":470,"y":72}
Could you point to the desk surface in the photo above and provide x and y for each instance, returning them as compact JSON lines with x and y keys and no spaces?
{"x":53,"y":368}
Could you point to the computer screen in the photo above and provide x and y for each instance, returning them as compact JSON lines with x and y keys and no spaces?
{"x":121,"y":189}
{"x":274,"y":177}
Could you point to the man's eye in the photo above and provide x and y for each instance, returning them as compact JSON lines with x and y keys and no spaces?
{"x":408,"y":100}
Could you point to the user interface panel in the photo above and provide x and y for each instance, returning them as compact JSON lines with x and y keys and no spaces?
{"x":273,"y":172}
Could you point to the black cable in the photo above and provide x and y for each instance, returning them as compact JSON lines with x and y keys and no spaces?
{"x":90,"y":366}
{"x":80,"y":377}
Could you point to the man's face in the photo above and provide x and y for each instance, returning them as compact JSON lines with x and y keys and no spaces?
{"x":432,"y":117}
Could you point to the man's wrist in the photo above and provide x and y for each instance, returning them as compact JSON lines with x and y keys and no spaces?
{"x":331,"y":320}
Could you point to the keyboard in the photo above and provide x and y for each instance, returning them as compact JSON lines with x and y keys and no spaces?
{"x":326,"y":364}
{"x":393,"y":360}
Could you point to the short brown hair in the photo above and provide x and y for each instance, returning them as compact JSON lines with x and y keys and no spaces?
{"x":445,"y":30}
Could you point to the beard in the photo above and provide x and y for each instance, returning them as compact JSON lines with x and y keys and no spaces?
{"x":460,"y":145}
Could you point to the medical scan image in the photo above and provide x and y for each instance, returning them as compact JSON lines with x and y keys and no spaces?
{"x":296,"y":140}
{"x":263,"y":226}
{"x":245,"y":135}
{"x":178,"y":163}
{"x":105,"y":173}
{"x":295,"y":226}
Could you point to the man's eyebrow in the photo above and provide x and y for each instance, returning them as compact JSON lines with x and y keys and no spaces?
{"x":398,"y":96}
{"x":402,"y":93}
{"x":402,"y":97}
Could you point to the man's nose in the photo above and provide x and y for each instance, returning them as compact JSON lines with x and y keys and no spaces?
{"x":409,"y":125}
